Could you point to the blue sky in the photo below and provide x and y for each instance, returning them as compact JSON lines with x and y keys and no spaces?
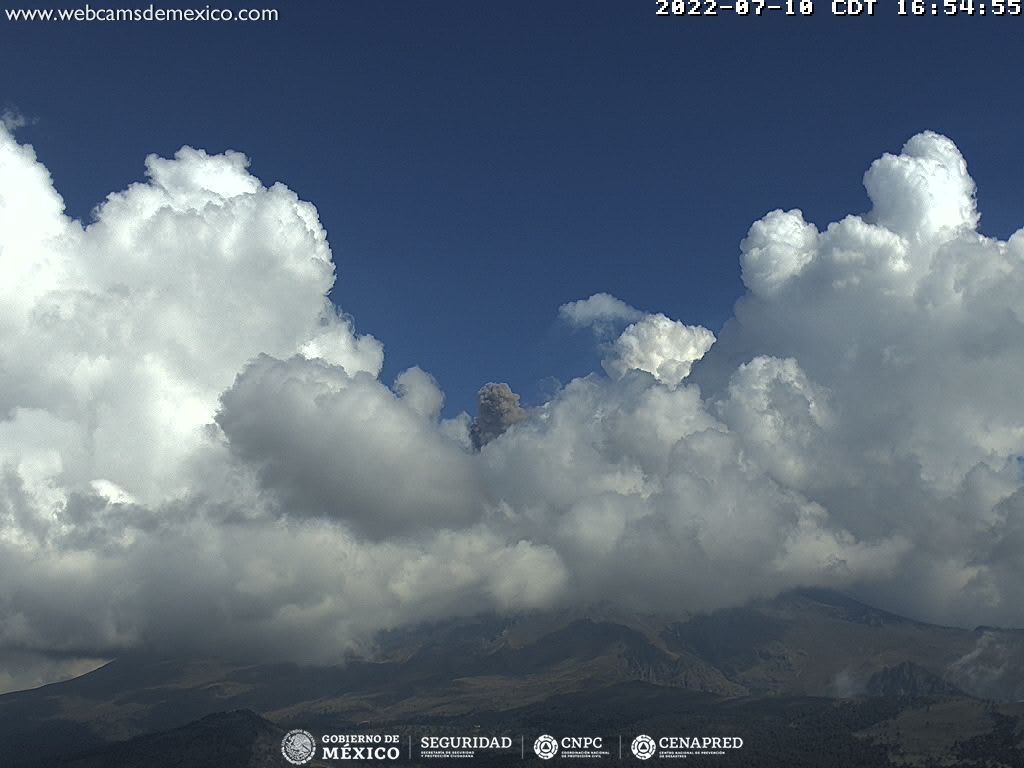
{"x":478,"y":164}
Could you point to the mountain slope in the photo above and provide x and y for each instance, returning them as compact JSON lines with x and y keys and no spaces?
{"x":239,"y":739}
{"x":801,"y":644}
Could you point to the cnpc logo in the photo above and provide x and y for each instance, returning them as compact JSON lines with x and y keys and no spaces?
{"x":546,"y":746}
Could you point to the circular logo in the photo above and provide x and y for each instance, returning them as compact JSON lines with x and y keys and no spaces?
{"x":643,"y":747}
{"x":546,"y":747}
{"x":298,"y":747}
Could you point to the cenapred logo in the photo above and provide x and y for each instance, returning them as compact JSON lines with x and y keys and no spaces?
{"x":545,"y":747}
{"x":643,"y":747}
{"x":298,"y":746}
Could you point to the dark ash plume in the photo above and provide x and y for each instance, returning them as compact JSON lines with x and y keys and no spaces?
{"x":497,"y":410}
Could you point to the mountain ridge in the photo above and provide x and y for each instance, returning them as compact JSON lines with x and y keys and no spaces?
{"x":811,"y":644}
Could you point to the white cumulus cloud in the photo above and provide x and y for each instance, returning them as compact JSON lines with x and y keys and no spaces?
{"x":600,"y":312}
{"x":197,"y":452}
{"x":662,"y":347}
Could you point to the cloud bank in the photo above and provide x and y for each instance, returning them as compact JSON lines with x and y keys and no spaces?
{"x":197,"y":453}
